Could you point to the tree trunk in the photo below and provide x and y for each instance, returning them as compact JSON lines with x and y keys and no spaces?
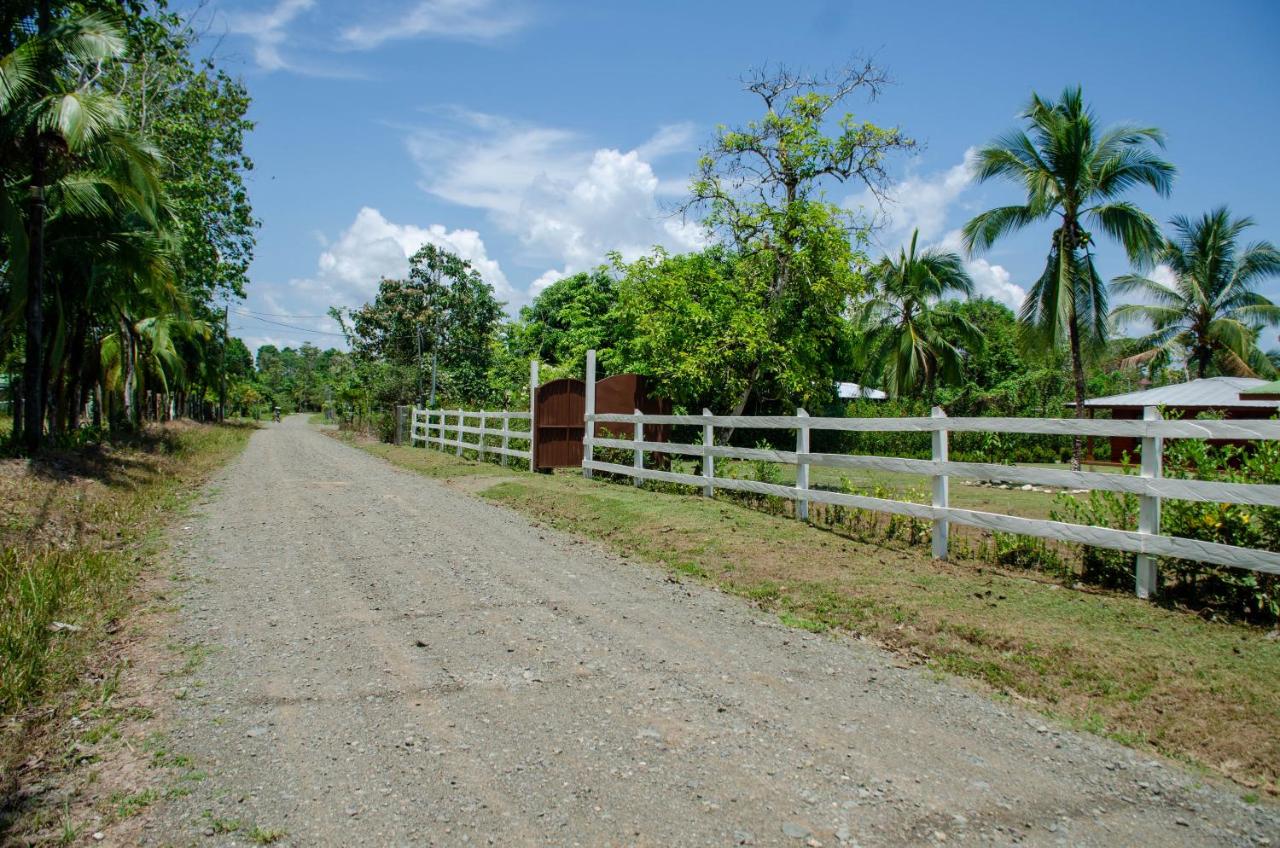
{"x":741,"y":405}
{"x":128,"y":374}
{"x":17,"y":393}
{"x":33,"y":369}
{"x":1077,"y":375}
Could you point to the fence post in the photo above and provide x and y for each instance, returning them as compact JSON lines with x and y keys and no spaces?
{"x":588,"y":452}
{"x":1145,"y":572}
{"x":708,"y":461}
{"x":638,"y":460}
{"x":506,"y":436}
{"x":940,"y":488}
{"x":459,"y":433}
{"x":482,"y":420}
{"x":802,"y":468}
{"x":533,"y":414}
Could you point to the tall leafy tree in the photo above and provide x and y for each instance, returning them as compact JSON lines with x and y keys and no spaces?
{"x":443,"y":312}
{"x":1074,"y":174}
{"x":913,"y":344}
{"x":696,"y":324}
{"x":123,"y":213}
{"x":85,"y":164}
{"x":568,"y":318}
{"x":1211,"y":312}
{"x":761,"y":187}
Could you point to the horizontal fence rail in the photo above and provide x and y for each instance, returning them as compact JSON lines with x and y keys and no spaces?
{"x":433,"y":427}
{"x":1032,"y":426}
{"x":1149,"y":485}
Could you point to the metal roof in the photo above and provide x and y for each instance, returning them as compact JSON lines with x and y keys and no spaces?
{"x":849,"y":391}
{"x":1210,"y":392}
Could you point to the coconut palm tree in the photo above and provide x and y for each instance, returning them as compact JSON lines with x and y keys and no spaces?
{"x":912,"y":344}
{"x":81,"y":173}
{"x":1073,"y":174}
{"x":1211,"y":313}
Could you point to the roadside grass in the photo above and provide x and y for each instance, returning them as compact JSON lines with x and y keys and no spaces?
{"x":1159,"y":679}
{"x":76,"y":529}
{"x":1012,"y":500}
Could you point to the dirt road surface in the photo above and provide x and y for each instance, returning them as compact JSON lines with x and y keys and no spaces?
{"x":388,"y":661}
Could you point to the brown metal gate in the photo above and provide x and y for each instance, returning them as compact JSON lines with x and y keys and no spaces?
{"x":559,"y":413}
{"x":560,"y":409}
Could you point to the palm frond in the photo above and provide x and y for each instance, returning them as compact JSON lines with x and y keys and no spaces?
{"x":1134,"y":229}
{"x":987,"y":227}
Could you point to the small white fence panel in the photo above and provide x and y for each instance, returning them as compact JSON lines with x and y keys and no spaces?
{"x":447,"y":428}
{"x":1149,"y":485}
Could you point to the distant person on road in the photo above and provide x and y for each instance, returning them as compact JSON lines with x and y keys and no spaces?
{"x":275,"y":414}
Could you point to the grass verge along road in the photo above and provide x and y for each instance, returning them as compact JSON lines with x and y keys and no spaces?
{"x":77,"y":528}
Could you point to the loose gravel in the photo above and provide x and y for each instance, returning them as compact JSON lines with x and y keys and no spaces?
{"x":388,"y":661}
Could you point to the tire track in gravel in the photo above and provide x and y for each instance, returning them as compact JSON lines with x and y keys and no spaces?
{"x":395,"y":662}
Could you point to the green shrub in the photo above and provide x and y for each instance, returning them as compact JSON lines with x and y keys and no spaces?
{"x":1235,"y":591}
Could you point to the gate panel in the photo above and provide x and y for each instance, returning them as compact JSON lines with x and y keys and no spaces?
{"x":624,"y":394}
{"x":559,"y":410}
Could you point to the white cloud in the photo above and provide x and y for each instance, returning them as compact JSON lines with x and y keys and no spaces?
{"x":473,"y":20}
{"x":925,"y":202}
{"x":347,"y":274}
{"x":373,"y":248}
{"x":1164,"y":275}
{"x":992,"y":281}
{"x":267,"y":31}
{"x":669,"y":139}
{"x":920,"y":202}
{"x":564,"y":201}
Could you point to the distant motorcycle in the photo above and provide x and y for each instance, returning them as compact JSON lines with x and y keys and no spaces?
{"x":275,"y":415}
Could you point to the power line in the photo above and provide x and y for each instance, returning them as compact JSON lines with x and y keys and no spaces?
{"x":257,"y":313}
{"x":290,"y":326}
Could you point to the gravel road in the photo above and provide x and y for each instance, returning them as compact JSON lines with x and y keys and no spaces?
{"x":389,"y":661}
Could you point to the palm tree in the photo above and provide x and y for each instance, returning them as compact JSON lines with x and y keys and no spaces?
{"x":911,"y":343}
{"x":1072,"y":174}
{"x":1211,"y":313}
{"x":82,"y":172}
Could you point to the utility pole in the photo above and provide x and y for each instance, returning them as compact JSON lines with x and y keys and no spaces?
{"x":33,"y":370}
{"x":431,"y":404}
{"x":435,"y":344}
{"x":419,"y":363}
{"x":222,"y":380}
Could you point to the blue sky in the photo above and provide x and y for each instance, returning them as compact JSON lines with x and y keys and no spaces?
{"x":533,"y":136}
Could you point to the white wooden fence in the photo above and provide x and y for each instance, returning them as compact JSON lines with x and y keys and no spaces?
{"x":434,"y":427}
{"x":1149,"y":485}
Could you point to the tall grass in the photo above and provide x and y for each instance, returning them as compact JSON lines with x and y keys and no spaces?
{"x":58,"y":601}
{"x":38,"y":591}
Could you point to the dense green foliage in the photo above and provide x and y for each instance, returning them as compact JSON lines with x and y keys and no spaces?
{"x":123,"y":214}
{"x":1251,"y":594}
